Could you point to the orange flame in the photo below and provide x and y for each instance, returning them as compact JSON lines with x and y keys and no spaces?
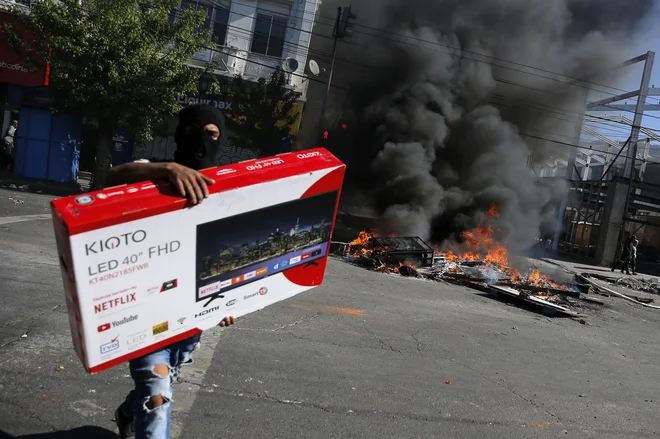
{"x":481,"y":245}
{"x":358,"y":246}
{"x":481,"y":240}
{"x":401,"y":264}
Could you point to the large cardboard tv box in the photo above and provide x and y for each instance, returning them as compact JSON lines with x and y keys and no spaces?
{"x":143,"y":269}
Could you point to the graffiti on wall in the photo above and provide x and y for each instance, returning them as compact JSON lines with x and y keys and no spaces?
{"x":230,"y":154}
{"x":162,"y":148}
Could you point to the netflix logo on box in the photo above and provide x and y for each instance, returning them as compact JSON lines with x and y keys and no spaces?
{"x":115,"y":303}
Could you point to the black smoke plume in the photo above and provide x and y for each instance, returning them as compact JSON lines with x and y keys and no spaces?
{"x":442,"y":119}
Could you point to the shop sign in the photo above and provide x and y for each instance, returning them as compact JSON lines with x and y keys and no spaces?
{"x":217,"y":102}
{"x":15,"y":69}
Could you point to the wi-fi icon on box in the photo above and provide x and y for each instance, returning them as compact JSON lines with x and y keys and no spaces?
{"x":181,"y":320}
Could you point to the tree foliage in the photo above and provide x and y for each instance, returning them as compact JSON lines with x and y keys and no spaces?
{"x":115,"y":61}
{"x":264,"y":113}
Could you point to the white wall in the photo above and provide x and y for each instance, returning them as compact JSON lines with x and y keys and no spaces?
{"x":241,"y":25}
{"x":302,"y":20}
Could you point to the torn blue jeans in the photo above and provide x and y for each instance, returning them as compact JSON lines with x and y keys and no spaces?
{"x":155,"y":423}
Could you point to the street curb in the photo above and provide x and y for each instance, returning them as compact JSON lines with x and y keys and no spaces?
{"x":41,"y":187}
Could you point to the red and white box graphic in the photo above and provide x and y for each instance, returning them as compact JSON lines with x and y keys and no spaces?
{"x":142,"y":268}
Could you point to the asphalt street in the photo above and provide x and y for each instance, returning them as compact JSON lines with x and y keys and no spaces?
{"x":366,"y":355}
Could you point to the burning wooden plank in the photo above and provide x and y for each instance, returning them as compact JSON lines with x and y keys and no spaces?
{"x":484,"y":274}
{"x":549,"y":306}
{"x":547,"y":291}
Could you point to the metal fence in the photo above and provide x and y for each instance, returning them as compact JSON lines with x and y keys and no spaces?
{"x":582,"y":218}
{"x":587,"y":202}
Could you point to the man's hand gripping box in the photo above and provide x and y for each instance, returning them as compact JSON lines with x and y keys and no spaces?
{"x":143,"y":269}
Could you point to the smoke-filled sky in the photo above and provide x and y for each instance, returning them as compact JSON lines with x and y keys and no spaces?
{"x":441,"y":122}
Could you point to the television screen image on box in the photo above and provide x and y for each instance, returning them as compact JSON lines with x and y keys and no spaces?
{"x":235,"y":251}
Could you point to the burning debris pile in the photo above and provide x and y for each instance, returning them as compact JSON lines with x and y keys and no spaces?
{"x":483,"y":263}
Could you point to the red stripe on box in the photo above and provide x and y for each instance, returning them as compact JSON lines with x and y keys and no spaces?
{"x":141,"y":203}
{"x":311,"y":275}
{"x":144,"y":351}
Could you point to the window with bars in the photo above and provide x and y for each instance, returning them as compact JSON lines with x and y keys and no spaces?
{"x":268,"y":36}
{"x":216,"y":21}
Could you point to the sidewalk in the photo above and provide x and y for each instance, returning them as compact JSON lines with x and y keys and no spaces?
{"x":9,"y":180}
{"x":643,"y":285}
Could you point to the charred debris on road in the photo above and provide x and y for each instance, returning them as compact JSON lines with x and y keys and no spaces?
{"x":483,"y":265}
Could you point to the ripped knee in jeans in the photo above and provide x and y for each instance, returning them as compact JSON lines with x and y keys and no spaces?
{"x":162,"y":372}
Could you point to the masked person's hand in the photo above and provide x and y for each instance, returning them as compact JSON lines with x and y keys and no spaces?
{"x":190,"y":183}
{"x":228,"y":321}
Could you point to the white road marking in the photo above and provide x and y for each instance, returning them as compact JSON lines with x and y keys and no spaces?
{"x":185,"y":392}
{"x":22,"y":218}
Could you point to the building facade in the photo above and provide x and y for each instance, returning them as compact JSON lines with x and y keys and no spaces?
{"x":248,"y":38}
{"x":46,"y":144}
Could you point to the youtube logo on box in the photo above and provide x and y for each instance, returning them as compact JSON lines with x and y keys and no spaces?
{"x":265,"y":227}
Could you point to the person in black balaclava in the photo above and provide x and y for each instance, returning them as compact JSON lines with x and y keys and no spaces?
{"x":199,"y":136}
{"x":146,"y":411}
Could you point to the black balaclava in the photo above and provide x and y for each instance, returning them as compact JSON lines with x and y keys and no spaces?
{"x":196,"y":149}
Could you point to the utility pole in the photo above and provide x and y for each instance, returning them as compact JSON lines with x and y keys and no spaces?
{"x":639,"y":114}
{"x":343,"y":28}
{"x":571,"y":175}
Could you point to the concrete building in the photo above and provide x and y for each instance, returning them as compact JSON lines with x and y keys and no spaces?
{"x":249,"y":38}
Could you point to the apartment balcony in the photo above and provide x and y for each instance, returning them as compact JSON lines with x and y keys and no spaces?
{"x":230,"y":61}
{"x":260,"y":66}
{"x":220,"y":56}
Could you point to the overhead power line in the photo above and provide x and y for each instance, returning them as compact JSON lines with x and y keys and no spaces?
{"x":463,"y":51}
{"x":307,"y":50}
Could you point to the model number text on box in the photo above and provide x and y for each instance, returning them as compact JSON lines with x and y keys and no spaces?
{"x":152,"y":252}
{"x":263,"y":165}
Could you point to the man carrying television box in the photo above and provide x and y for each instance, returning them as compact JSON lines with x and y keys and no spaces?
{"x":146,"y":411}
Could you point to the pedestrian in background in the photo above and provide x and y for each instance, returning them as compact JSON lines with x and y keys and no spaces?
{"x":7,"y":156}
{"x":623,"y":257}
{"x":632,"y":255}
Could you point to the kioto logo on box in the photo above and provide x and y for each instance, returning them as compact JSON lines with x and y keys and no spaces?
{"x":114,"y":242}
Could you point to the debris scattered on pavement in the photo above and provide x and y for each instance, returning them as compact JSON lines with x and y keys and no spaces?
{"x":639,"y":284}
{"x":447,"y":382}
{"x":17,"y":201}
{"x":591,"y":279}
{"x":24,"y":336}
{"x":61,"y":367}
{"x":644,"y":285}
{"x":484,"y":266}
